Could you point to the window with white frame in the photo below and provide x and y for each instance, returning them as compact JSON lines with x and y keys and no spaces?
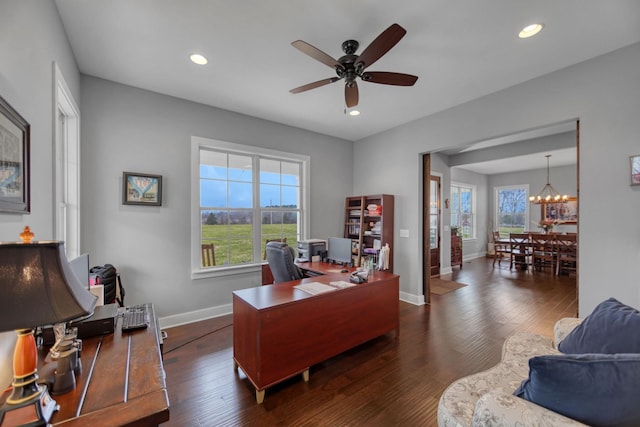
{"x":463,"y":211}
{"x":66,"y":166}
{"x":245,"y":197}
{"x":512,"y":209}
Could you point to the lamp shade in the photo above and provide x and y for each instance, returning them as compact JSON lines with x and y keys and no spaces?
{"x":37,"y":286}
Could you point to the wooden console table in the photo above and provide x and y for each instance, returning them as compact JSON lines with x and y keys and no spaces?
{"x":122,"y":382}
{"x":280,"y":331}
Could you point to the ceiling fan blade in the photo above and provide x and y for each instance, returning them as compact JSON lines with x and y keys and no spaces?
{"x":386,"y":78}
{"x":381,"y":45}
{"x":351,"y":95}
{"x":314,"y":85}
{"x":316,"y":54}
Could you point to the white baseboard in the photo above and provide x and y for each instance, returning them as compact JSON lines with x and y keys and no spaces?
{"x":412,"y":299}
{"x":482,"y":254}
{"x":195,"y":316}
{"x":222,"y":310}
{"x":445,"y":270}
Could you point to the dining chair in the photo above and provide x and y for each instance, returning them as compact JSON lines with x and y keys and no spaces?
{"x":520,"y":246}
{"x":208,"y":255}
{"x":543,"y":251}
{"x":567,"y":253}
{"x":501,"y":248}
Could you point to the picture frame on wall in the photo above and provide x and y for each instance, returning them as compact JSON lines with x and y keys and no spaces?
{"x":141,"y":189}
{"x":635,"y":169}
{"x":565,"y":213}
{"x":15,"y":196}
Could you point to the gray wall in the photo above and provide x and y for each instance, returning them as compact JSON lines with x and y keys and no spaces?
{"x":129,"y":129}
{"x":605,"y":95}
{"x":31,"y":38}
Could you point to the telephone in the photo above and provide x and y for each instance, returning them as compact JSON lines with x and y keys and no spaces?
{"x":359,"y":276}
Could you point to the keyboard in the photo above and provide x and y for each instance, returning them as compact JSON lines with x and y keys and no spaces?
{"x":134,"y":318}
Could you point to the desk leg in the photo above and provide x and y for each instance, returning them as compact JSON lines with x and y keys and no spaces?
{"x":260,"y":396}
{"x":305,"y":376}
{"x":235,"y":365}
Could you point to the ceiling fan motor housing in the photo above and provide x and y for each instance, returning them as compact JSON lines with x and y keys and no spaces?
{"x":350,"y":46}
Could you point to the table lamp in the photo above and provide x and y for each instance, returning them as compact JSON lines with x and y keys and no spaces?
{"x":37,"y":287}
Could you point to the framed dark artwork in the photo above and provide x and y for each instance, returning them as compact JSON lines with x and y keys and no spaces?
{"x":635,"y":169}
{"x":564,"y":213}
{"x":141,"y":189}
{"x":14,"y":161}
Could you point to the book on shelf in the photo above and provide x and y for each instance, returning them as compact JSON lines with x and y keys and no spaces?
{"x":353,"y":228}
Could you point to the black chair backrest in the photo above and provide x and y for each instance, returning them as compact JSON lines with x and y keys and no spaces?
{"x":280,"y":258}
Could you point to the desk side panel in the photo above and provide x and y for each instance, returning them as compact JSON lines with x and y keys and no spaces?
{"x":246,"y":325}
{"x":298,"y":335}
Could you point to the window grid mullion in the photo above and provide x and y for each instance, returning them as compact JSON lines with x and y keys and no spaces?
{"x":233,"y":215}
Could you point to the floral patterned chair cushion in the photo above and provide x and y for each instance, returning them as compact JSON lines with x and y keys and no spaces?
{"x":486,"y":398}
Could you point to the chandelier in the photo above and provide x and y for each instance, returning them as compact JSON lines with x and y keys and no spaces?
{"x":548,"y":194}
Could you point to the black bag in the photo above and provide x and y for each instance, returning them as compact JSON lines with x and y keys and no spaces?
{"x":107,"y":276}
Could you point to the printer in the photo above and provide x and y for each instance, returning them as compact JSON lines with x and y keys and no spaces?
{"x":307,"y":249}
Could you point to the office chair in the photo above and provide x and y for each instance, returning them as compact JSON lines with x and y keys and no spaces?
{"x":280,"y":258}
{"x":284,"y":240}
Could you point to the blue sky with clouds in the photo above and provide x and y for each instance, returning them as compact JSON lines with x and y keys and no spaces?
{"x":239,"y":194}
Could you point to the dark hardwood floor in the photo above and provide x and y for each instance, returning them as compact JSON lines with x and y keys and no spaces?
{"x":383,"y":382}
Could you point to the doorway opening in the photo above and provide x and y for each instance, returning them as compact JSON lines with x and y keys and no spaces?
{"x":497,"y":158}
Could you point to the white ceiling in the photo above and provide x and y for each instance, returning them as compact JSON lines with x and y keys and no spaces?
{"x":559,"y":157}
{"x":460,"y":50}
{"x":562,"y":157}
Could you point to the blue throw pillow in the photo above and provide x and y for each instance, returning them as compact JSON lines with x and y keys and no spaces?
{"x":595,"y":389}
{"x":612,"y":327}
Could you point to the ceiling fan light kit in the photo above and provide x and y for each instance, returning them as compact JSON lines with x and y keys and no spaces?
{"x":351,"y":66}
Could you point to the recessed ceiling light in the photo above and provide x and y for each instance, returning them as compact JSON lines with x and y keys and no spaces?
{"x":354,"y":113}
{"x":530,"y":30}
{"x":196,"y":58}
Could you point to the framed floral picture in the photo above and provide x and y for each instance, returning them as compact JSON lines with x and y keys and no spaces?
{"x":14,"y":161}
{"x":562,"y":213}
{"x":141,"y":189}
{"x":635,"y":170}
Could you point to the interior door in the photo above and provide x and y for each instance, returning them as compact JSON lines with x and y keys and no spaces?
{"x":434,"y":225}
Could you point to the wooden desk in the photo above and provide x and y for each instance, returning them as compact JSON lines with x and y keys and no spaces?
{"x":280,"y":331}
{"x":122,"y":381}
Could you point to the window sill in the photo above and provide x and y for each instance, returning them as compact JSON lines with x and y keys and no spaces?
{"x":226,"y":271}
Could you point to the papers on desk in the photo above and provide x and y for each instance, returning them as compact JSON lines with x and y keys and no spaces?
{"x":340,"y":284}
{"x":315,"y":288}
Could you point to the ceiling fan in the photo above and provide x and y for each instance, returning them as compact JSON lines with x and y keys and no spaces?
{"x":351,"y":66}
